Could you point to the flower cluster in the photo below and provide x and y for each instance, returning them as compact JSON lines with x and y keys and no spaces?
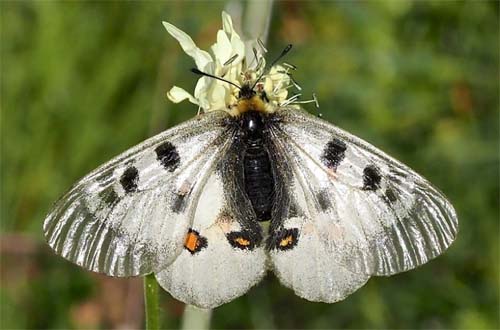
{"x":228,"y":61}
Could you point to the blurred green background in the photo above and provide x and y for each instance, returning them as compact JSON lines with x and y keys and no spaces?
{"x":83,"y":81}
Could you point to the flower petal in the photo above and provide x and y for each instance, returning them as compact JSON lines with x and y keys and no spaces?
{"x":204,"y":83}
{"x":238,"y":47}
{"x":227,"y":23}
{"x":200,"y":57}
{"x":177,"y":94}
{"x":222,"y":48}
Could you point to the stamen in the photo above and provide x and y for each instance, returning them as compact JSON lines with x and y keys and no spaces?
{"x":255,"y":57}
{"x":279,"y":85}
{"x":277,"y":73}
{"x":261,"y":44}
{"x":290,"y":66}
{"x":291,"y":100}
{"x":260,"y":65}
{"x":304,"y":102}
{"x":295,"y":84}
{"x":231,"y":60}
{"x":316,"y":99}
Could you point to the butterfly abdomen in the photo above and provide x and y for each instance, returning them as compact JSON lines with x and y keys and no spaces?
{"x":257,"y":171}
{"x":259,"y":181}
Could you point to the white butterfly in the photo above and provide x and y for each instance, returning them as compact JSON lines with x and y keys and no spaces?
{"x":188,"y":204}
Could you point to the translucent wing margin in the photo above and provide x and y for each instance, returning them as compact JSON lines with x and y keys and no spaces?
{"x":376,"y":214}
{"x":129,"y":216}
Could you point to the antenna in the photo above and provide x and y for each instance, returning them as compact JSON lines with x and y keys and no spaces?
{"x":283,"y":53}
{"x":201,"y":73}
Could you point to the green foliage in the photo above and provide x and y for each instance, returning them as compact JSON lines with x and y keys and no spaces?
{"x":83,"y":81}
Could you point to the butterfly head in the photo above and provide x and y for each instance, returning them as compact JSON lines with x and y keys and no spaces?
{"x":255,"y":97}
{"x":260,"y":94}
{"x":246,"y":92}
{"x":251,"y":100}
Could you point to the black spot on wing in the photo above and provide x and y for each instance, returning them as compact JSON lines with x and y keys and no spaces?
{"x":168,"y":156}
{"x":129,"y":179}
{"x":109,"y":197}
{"x":390,"y":195}
{"x":324,"y":200}
{"x":293,"y":211}
{"x":371,"y":178}
{"x":179,"y":203}
{"x":334,"y":153}
{"x":283,"y":239}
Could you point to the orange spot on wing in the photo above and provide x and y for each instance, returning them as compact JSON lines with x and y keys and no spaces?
{"x":191,"y":241}
{"x":242,"y":241}
{"x":286,"y":241}
{"x":194,"y":242}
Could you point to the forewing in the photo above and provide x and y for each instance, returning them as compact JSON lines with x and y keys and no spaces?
{"x":375,"y":214}
{"x":223,"y":255}
{"x":129,"y":216}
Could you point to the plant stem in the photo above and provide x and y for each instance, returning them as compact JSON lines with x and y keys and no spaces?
{"x":256,"y":19}
{"x":151,"y":302}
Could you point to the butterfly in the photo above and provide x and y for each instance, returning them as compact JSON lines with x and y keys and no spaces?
{"x":213,"y":204}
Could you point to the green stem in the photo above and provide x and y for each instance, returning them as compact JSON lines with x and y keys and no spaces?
{"x":151,"y":302}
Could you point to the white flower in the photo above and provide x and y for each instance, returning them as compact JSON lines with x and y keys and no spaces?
{"x":228,"y":62}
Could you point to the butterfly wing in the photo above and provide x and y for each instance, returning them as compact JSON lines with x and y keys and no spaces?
{"x":371,"y":213}
{"x":129,"y":216}
{"x":223,"y":255}
{"x":297,"y":251}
